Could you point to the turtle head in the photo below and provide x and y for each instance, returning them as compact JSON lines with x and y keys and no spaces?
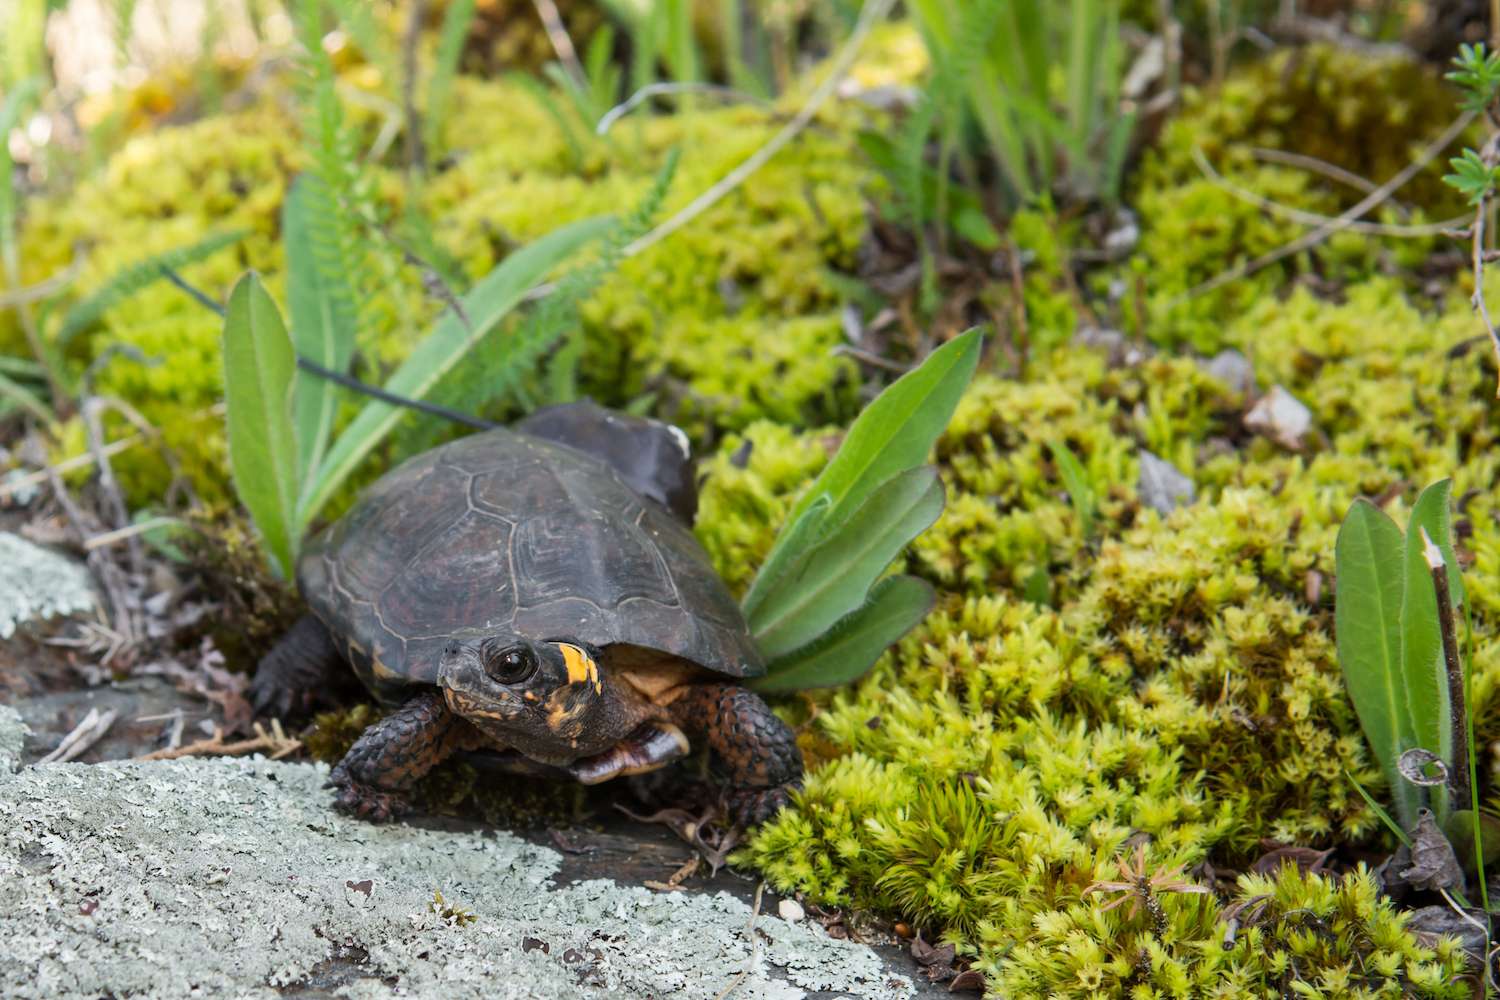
{"x":540,"y":697}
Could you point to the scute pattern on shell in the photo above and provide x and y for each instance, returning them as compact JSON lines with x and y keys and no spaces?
{"x":503,"y":531}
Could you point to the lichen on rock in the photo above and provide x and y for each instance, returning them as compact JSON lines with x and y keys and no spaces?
{"x":37,"y":583}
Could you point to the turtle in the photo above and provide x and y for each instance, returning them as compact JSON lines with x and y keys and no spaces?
{"x":534,"y":591}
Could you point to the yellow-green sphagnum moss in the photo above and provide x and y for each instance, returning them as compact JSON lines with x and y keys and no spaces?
{"x":732,"y":319}
{"x":1367,"y":115}
{"x":1181,"y":687}
{"x":1313,"y":936}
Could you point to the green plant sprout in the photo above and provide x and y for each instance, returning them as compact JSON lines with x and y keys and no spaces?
{"x":815,"y":607}
{"x":282,"y":481}
{"x":1395,"y":614}
{"x":1476,"y":172}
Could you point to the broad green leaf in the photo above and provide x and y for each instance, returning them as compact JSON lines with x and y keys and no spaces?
{"x":836,"y":576}
{"x":488,"y":302}
{"x":1421,"y":639}
{"x":322,"y":329}
{"x":845,"y":652}
{"x":1076,"y":482}
{"x":801,"y":535}
{"x":897,"y":430}
{"x":259,"y":364}
{"x":1367,"y":627}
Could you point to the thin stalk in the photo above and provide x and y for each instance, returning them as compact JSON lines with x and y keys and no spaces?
{"x":1459,"y":784}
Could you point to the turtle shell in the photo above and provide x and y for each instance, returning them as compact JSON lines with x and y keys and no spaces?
{"x":509,"y":532}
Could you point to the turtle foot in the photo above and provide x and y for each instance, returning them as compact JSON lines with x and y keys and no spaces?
{"x":753,"y":806}
{"x":367,"y":802}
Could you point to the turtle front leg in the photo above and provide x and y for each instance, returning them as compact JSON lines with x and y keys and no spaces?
{"x":758,"y":749}
{"x":373,"y":778}
{"x":298,"y":673}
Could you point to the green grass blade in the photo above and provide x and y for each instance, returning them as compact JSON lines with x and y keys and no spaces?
{"x":1384,"y":816}
{"x":134,"y":277}
{"x":20,"y":396}
{"x":1421,"y":637}
{"x":456,"y":21}
{"x":847,"y":651}
{"x":1368,"y":566}
{"x":322,"y":328}
{"x":1076,"y":482}
{"x":488,"y":302}
{"x":837,"y":574}
{"x":259,"y":364}
{"x":897,"y":430}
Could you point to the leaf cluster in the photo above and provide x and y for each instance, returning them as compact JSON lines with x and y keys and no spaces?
{"x":1389,"y":639}
{"x":814,"y":607}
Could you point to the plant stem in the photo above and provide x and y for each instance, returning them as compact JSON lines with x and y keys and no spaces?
{"x":1458,"y":774}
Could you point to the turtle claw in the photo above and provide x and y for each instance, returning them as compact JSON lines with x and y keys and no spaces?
{"x":753,"y":806}
{"x":355,"y":798}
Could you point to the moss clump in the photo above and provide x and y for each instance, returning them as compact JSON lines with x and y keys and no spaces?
{"x":1367,"y":115}
{"x":1181,"y":683}
{"x":162,"y":190}
{"x":1298,"y":935}
{"x":733,"y":319}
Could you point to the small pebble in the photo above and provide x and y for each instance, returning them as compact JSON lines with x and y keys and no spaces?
{"x":1281,"y":417}
{"x":790,"y":910}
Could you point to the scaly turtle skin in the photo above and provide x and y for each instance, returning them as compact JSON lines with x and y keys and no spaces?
{"x":536,"y":592}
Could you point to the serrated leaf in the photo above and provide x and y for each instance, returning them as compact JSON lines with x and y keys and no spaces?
{"x":137,"y":276}
{"x":259,"y":365}
{"x":1367,"y":626}
{"x":322,"y":329}
{"x":488,"y":302}
{"x":851,"y":647}
{"x":836,"y":575}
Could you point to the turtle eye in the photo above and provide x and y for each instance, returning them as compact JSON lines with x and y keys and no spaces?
{"x":510,"y":664}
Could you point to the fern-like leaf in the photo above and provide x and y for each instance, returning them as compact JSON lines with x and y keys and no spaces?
{"x":134,"y":277}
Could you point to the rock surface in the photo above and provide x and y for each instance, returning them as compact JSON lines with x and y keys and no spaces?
{"x":38,"y":583}
{"x":233,"y":877}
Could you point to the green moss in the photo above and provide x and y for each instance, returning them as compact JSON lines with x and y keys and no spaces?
{"x":1294,"y":935}
{"x":1184,"y":683}
{"x":730,"y":320}
{"x":1366,"y":115}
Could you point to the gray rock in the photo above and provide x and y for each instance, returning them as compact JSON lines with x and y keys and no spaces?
{"x":38,"y":583}
{"x":1233,"y":369}
{"x":233,"y":877}
{"x":1161,"y":486}
{"x":12,"y":740}
{"x":1281,"y":417}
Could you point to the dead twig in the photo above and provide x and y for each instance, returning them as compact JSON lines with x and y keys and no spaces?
{"x":873,"y":12}
{"x":1315,"y":219}
{"x":276,"y":742}
{"x":688,"y":869}
{"x":1318,"y":235}
{"x":650,"y":90}
{"x":84,"y":735}
{"x":1332,"y":171}
{"x":557,"y":34}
